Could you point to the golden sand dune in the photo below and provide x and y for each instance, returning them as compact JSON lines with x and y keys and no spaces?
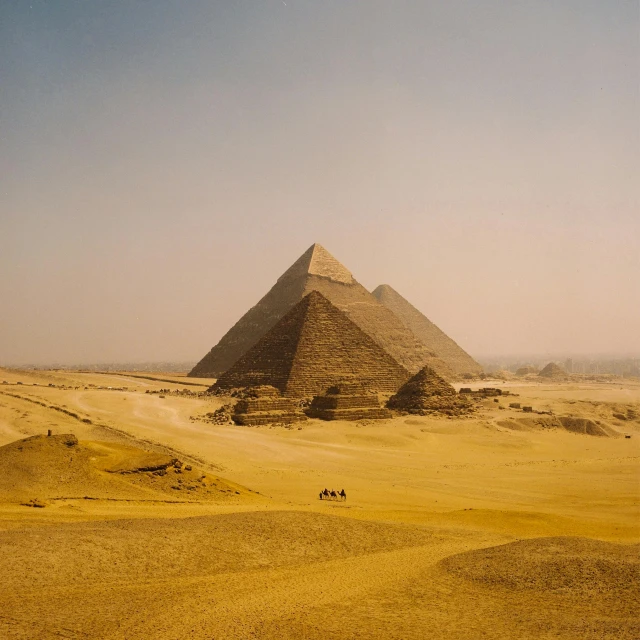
{"x":204,"y":577}
{"x":573,"y":589}
{"x":554,"y":564}
{"x":193,"y":547}
{"x":450,"y":529}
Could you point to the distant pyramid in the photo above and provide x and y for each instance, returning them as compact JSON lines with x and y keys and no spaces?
{"x":312,"y":347}
{"x":426,"y":393}
{"x":318,"y":270}
{"x":552,"y":370}
{"x":427,"y":332}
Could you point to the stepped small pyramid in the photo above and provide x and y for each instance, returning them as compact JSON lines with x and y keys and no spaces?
{"x":426,"y":393}
{"x":427,"y":332}
{"x":318,"y":270}
{"x":311,"y":348}
{"x":265,"y":405}
{"x":347,"y":400}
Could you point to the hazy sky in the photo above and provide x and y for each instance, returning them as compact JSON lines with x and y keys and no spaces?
{"x":162,"y":162}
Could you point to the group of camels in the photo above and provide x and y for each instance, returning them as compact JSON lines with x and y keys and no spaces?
{"x":333,"y":495}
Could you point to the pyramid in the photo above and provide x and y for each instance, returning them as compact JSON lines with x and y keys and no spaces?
{"x":264,"y":405}
{"x":426,"y":393}
{"x":552,"y":370}
{"x":312,"y":347}
{"x":427,"y":332}
{"x":347,"y":401}
{"x":318,"y":270}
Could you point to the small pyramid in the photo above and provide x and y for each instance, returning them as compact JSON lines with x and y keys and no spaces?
{"x":428,"y":333}
{"x":312,"y":347}
{"x":347,"y":400}
{"x":264,"y":405}
{"x":552,"y":370}
{"x":318,"y":270}
{"x":426,"y":393}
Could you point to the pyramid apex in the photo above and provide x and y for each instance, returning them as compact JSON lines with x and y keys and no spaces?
{"x":317,"y":261}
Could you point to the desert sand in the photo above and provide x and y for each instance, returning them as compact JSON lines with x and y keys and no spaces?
{"x":493,"y":525}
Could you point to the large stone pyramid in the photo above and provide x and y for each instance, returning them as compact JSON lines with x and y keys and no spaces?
{"x":318,"y":270}
{"x":427,"y":332}
{"x":311,"y":348}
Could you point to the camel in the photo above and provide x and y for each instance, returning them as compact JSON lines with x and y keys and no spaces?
{"x":332,"y":495}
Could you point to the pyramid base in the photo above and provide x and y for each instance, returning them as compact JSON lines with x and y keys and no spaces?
{"x":267,"y":405}
{"x":446,"y":410}
{"x":333,"y":402}
{"x":267,"y":417}
{"x":357,"y":413}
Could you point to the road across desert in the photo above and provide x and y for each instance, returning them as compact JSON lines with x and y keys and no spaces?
{"x":242,"y":547}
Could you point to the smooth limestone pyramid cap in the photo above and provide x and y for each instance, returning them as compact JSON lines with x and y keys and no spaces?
{"x":313,"y":347}
{"x":317,"y":261}
{"x":427,"y":332}
{"x":318,"y":270}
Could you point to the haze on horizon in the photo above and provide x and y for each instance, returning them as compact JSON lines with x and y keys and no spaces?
{"x":161,"y":165}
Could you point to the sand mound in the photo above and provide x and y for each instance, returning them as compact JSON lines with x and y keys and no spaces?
{"x":426,"y":392}
{"x":525,"y":371}
{"x":44,"y":468}
{"x":553,"y":371}
{"x":221,"y":576}
{"x":503,"y":374}
{"x":584,"y":426}
{"x":564,"y":565}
